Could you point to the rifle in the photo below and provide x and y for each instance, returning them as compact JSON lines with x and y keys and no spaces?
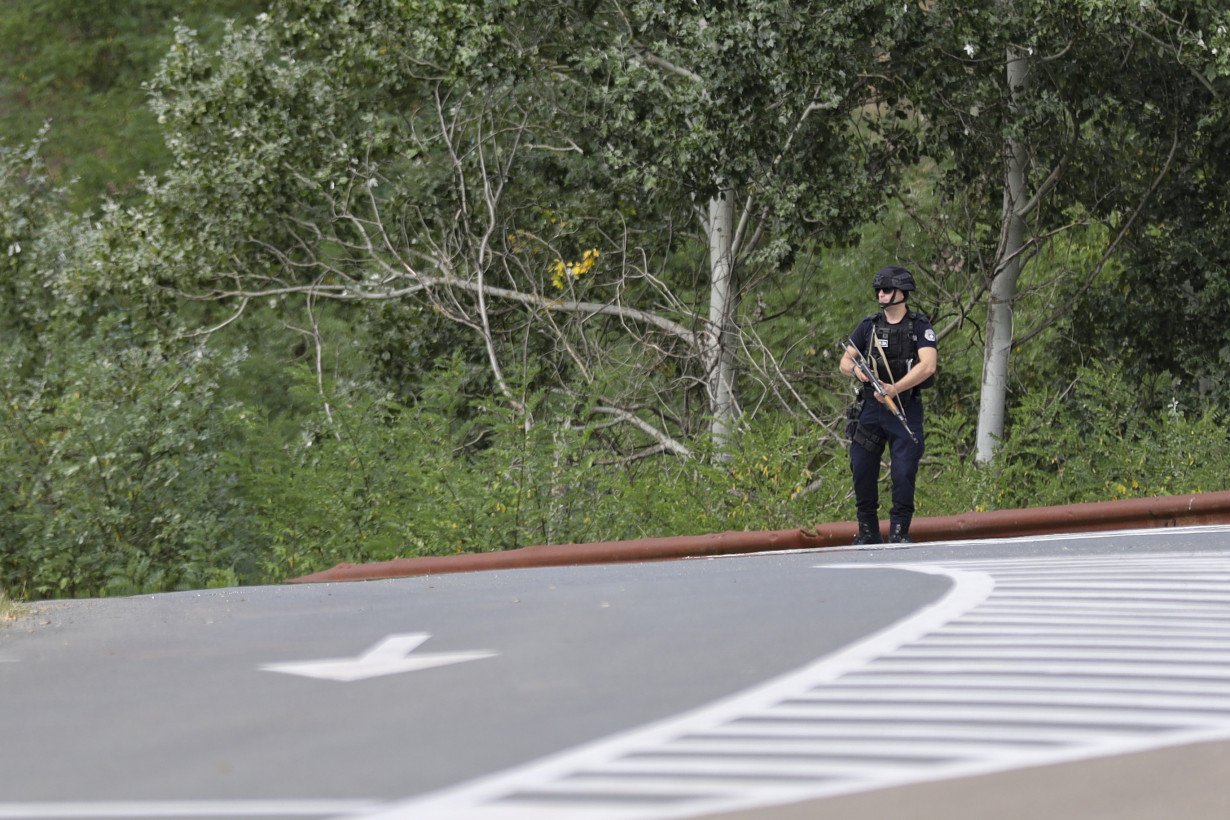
{"x":862,"y":366}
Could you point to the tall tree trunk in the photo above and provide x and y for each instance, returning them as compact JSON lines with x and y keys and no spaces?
{"x":1004,"y":278}
{"x":721,"y":336}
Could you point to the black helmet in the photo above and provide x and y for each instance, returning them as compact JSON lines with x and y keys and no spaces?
{"x":893,"y":277}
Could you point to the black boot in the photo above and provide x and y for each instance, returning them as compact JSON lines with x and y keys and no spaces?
{"x":899,"y":532}
{"x":868,"y":532}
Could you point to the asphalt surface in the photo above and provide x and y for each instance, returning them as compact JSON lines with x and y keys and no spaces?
{"x":934,"y":679}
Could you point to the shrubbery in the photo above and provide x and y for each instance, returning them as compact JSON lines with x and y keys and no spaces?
{"x":383,"y":480}
{"x":130,"y":471}
{"x":1093,"y":440}
{"x":110,"y":478}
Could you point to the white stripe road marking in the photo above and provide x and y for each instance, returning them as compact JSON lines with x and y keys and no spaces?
{"x":1132,"y":584}
{"x":1101,"y":608}
{"x":896,"y":747}
{"x":931,"y":694}
{"x":1086,"y":653}
{"x":1177,"y":607}
{"x":185,"y":808}
{"x":1080,"y":639}
{"x":920,"y":700}
{"x":751,"y":764}
{"x":1214,"y":672}
{"x":1103,"y":576}
{"x":1048,"y":619}
{"x":985,"y":713}
{"x":1037,"y":736}
{"x":863,"y":681}
{"x":996,"y":634}
{"x":1178,"y":596}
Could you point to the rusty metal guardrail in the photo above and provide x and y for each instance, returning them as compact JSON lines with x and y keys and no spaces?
{"x":1098,"y":516}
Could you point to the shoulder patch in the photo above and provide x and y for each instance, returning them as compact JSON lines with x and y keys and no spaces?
{"x":929,"y":335}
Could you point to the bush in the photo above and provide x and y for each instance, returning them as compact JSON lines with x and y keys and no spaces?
{"x":111,"y":477}
{"x":383,"y":480}
{"x":1091,"y":441}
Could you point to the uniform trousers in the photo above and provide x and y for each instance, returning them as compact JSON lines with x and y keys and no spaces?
{"x":881,"y":428}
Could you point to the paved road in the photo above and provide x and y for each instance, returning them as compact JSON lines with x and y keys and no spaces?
{"x":939,"y":678}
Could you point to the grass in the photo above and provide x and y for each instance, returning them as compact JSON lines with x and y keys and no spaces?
{"x":8,"y":610}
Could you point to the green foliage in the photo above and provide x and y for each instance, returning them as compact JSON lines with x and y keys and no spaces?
{"x":8,"y":610}
{"x":1159,"y":308}
{"x":1091,"y":441}
{"x":29,"y":203}
{"x":381,"y":480}
{"x":384,"y":480}
{"x":1125,"y":117}
{"x":771,"y":99}
{"x":110,"y":469}
{"x":295,"y":111}
{"x":81,"y":66}
{"x":110,"y":433}
{"x":135,"y":459}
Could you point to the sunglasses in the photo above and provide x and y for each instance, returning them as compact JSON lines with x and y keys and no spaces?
{"x":885,"y":290}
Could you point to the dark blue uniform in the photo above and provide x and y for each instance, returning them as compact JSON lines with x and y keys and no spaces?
{"x":877,"y":426}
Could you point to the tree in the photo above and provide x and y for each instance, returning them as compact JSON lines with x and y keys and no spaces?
{"x":1007,"y":273}
{"x":545,"y":178}
{"x":1081,"y":127}
{"x":1159,"y":309}
{"x":775,"y":116}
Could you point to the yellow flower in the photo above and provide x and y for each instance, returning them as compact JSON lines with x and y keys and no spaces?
{"x":562,"y":272}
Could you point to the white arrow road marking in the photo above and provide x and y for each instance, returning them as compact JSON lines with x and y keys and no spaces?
{"x":389,"y":657}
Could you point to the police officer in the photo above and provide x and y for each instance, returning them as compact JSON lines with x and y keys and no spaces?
{"x":900,"y":345}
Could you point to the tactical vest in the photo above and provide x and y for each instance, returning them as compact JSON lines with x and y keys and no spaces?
{"x":899,"y":344}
